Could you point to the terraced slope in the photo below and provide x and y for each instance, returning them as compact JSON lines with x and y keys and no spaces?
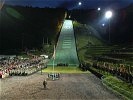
{"x":66,"y":49}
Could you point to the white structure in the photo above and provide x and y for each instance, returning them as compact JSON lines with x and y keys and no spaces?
{"x":45,"y":56}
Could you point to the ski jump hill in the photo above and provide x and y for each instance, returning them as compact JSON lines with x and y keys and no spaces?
{"x":65,"y":52}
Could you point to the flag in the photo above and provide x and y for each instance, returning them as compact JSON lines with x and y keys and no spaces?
{"x":54,"y":52}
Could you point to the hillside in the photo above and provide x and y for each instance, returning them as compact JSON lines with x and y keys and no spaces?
{"x":85,"y":36}
{"x":90,"y":48}
{"x":121,"y":23}
{"x":27,"y":28}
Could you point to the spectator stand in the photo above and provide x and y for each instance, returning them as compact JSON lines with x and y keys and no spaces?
{"x":20,"y":67}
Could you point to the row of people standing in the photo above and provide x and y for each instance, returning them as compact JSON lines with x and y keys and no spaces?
{"x":9,"y":65}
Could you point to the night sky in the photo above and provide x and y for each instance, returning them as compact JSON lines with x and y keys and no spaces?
{"x":72,"y":4}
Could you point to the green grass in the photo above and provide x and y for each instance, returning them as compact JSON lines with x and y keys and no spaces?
{"x":116,"y":84}
{"x":81,"y":41}
{"x":120,"y":86}
{"x":104,"y":73}
{"x":81,"y":54}
{"x":63,"y":70}
{"x":14,"y":13}
{"x":83,"y":37}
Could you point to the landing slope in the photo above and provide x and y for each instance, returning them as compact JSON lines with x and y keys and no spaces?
{"x":66,"y":50}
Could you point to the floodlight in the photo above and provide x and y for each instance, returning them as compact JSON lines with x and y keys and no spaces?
{"x":79,"y":3}
{"x":103,"y":24}
{"x":108,"y":14}
{"x":98,"y":9}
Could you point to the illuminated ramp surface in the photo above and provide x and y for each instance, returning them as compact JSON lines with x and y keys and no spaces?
{"x":66,"y":50}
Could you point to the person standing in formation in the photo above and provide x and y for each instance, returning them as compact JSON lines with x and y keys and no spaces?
{"x":45,"y":84}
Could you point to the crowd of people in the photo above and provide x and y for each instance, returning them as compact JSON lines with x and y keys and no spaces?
{"x":120,"y":70}
{"x":19,"y":66}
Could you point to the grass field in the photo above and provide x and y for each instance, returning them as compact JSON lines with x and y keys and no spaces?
{"x":64,"y":70}
{"x":120,"y":86}
{"x":116,"y":84}
{"x":84,"y":36}
{"x":89,"y":46}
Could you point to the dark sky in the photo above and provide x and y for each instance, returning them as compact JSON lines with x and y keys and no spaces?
{"x":70,"y":4}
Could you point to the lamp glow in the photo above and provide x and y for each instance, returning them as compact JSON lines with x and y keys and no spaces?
{"x":79,"y":3}
{"x":103,"y":24}
{"x":108,"y":14}
{"x":99,"y":9}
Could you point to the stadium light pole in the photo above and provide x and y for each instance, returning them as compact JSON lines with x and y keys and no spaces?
{"x":108,"y":15}
{"x":99,"y":11}
{"x":79,"y":4}
{"x":53,"y":62}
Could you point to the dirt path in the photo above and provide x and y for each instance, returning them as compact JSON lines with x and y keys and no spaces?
{"x":68,"y":87}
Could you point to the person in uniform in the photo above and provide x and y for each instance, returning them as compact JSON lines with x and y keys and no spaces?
{"x":44,"y":84}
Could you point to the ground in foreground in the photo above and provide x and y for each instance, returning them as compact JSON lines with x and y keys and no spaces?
{"x":69,"y":86}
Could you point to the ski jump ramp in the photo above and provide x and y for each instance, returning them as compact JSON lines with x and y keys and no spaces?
{"x":65,"y":52}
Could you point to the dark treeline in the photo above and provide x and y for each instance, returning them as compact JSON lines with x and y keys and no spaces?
{"x":121,"y":23}
{"x":25,"y":27}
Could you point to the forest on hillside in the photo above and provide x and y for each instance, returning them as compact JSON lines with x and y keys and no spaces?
{"x":28,"y":28}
